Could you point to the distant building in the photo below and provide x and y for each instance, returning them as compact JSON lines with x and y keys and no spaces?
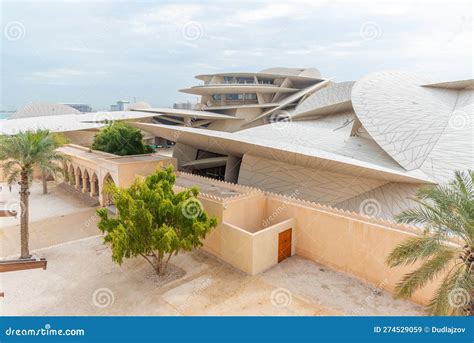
{"x":120,"y":106}
{"x":183,"y":106}
{"x":83,"y":108}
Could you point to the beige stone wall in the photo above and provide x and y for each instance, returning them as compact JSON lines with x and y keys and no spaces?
{"x":36,"y":174}
{"x":265,"y":245}
{"x":240,"y":238}
{"x":247,"y":238}
{"x":349,"y":245}
{"x":247,"y":214}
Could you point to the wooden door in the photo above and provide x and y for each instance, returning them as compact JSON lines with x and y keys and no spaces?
{"x":284,"y":245}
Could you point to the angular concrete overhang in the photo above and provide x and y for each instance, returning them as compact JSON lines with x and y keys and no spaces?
{"x":97,"y":120}
{"x":210,"y":162}
{"x":331,"y":99}
{"x":458,"y":85}
{"x":292,"y":98}
{"x":230,"y":107}
{"x":236,"y":88}
{"x":239,"y":145}
{"x":186,"y":113}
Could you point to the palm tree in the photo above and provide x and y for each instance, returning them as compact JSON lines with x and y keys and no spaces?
{"x":20,"y":155}
{"x":446,"y":248}
{"x":59,"y":140}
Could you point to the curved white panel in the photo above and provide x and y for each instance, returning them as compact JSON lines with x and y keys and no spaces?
{"x":403,"y":117}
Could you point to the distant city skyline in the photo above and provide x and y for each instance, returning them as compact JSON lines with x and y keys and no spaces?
{"x":100,"y":52}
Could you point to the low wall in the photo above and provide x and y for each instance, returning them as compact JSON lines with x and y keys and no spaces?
{"x":242,"y":239}
{"x":247,"y":237}
{"x":265,"y":245}
{"x":248,"y":213}
{"x":349,"y":245}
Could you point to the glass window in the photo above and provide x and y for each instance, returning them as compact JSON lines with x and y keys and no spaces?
{"x":216,"y":97}
{"x":232,"y":96}
{"x":266,"y":81}
{"x":245,"y":80}
{"x":228,"y":79}
{"x":251,"y":96}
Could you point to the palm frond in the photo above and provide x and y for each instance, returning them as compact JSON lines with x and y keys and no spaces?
{"x":414,"y":249}
{"x":425,"y":273}
{"x":457,"y":283}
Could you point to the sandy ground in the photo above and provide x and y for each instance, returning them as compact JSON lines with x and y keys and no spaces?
{"x":42,"y":206}
{"x":81,"y":278}
{"x":55,"y":218}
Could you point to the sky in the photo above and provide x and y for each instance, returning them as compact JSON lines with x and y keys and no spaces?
{"x":100,"y":52}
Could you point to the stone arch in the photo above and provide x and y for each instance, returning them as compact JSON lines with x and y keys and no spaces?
{"x":86,"y":187}
{"x":79,"y":183}
{"x":94,"y":180}
{"x":107,"y":198}
{"x":72,"y":174}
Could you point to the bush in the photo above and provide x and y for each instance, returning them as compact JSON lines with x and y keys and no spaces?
{"x":120,"y":139}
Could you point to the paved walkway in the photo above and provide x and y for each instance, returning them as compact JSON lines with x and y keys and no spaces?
{"x":55,"y":218}
{"x":54,"y":204}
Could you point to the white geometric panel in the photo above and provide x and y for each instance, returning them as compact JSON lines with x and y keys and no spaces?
{"x":304,"y":183}
{"x":405,"y":119}
{"x":385,"y":201}
{"x":455,"y":148}
{"x":326,"y":98}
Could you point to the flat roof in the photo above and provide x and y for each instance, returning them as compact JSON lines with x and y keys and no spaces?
{"x":207,"y":186}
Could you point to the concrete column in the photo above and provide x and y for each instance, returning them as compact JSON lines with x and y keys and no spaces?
{"x":232,"y":168}
{"x":85,"y":181}
{"x":77,"y":180}
{"x":184,"y":153}
{"x":93,"y":192}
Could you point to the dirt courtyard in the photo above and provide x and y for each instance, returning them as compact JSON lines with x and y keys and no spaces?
{"x":81,"y":279}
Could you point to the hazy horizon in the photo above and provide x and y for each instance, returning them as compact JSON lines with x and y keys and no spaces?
{"x":100,"y":52}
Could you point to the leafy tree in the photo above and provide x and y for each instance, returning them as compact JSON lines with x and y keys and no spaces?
{"x":153,"y":221}
{"x":447,"y":212}
{"x":120,"y":139}
{"x":20,"y":155}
